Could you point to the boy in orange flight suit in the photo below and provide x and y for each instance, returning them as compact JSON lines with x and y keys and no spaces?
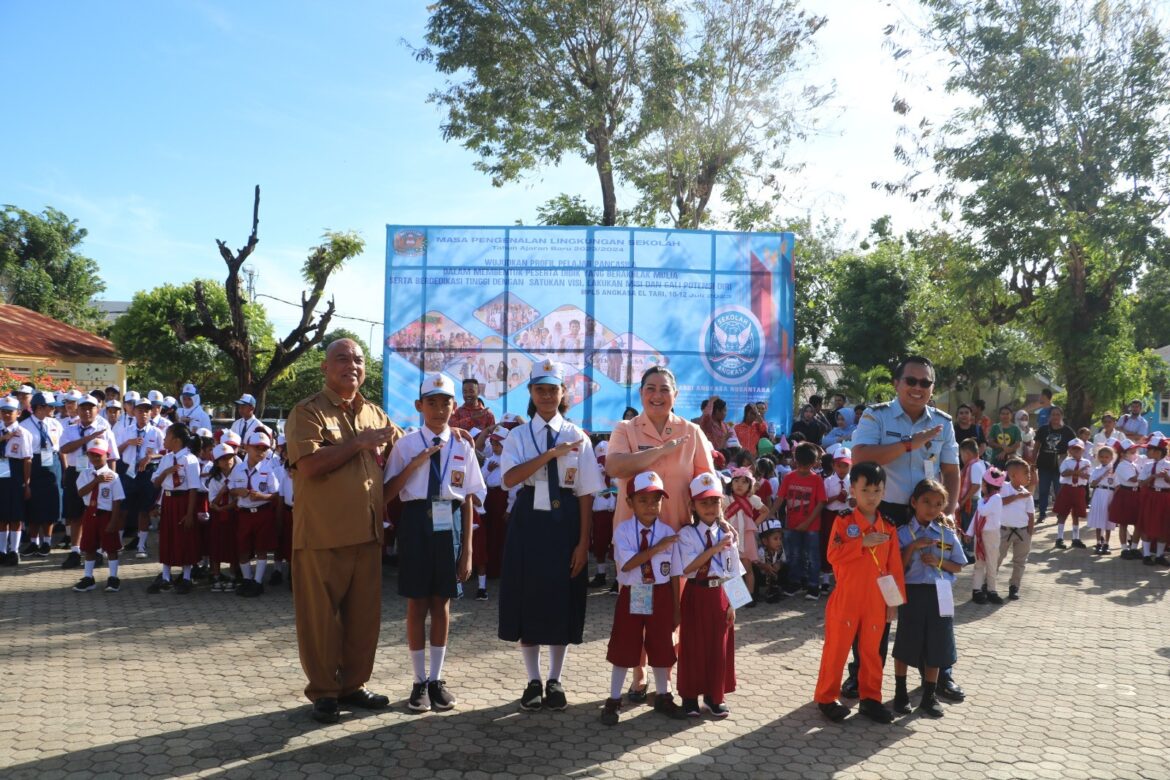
{"x":862,"y":547}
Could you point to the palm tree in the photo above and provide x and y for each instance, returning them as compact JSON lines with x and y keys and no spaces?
{"x":802,"y":374}
{"x":866,"y":385}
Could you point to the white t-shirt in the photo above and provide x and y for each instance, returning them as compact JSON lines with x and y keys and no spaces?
{"x":1015,"y":514}
{"x":990,"y":508}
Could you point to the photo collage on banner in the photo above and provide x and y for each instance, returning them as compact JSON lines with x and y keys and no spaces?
{"x":486,"y":302}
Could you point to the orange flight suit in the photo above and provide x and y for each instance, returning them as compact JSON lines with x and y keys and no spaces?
{"x":856,"y":607}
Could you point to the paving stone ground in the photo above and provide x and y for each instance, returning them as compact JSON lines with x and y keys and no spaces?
{"x":1067,"y":683}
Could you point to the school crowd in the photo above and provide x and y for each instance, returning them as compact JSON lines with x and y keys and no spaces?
{"x":698,"y":518}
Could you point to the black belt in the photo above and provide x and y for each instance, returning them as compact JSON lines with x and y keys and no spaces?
{"x":1160,"y":490}
{"x":1130,"y":489}
{"x":712,"y":582}
{"x":252,"y":509}
{"x":1102,"y":487}
{"x":175,"y":492}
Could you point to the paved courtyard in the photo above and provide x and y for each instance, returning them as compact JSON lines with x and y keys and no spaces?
{"x":1067,"y":683}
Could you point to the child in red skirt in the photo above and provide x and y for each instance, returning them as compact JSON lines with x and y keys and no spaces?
{"x":256,"y":486}
{"x":604,"y":505}
{"x":743,"y":509}
{"x":1071,"y":498}
{"x":1154,"y":518}
{"x":101,"y":523}
{"x":647,"y":611}
{"x":836,"y":502}
{"x":487,"y":540}
{"x":707,"y":626}
{"x":1125,"y":509}
{"x":178,"y":537}
{"x":222,"y":508}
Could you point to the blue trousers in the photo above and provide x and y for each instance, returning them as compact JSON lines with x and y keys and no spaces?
{"x":803,"y":549}
{"x":1049,"y":483}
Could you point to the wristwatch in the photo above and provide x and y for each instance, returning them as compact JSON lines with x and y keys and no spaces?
{"x":907,"y":445}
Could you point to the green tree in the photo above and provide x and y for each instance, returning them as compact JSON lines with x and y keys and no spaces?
{"x":303,"y":378}
{"x":866,"y":384}
{"x":539,"y":80}
{"x":1058,"y":165}
{"x":41,"y":268}
{"x":870,"y":305}
{"x":1151,"y":309}
{"x":568,"y":210}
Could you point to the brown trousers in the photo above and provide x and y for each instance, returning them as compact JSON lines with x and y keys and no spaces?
{"x":337,"y":595}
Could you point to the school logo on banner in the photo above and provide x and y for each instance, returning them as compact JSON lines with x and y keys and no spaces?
{"x":732,"y":344}
{"x":410,"y":243}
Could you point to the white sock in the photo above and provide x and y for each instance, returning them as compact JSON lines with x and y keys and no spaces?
{"x":418,"y":659}
{"x":531,"y":656}
{"x":113,"y":568}
{"x":1076,"y":532}
{"x":661,"y":679}
{"x":166,"y":573}
{"x":89,"y":568}
{"x":16,"y":539}
{"x":4,"y":537}
{"x":1161,"y":549}
{"x":76,"y":548}
{"x":601,"y":570}
{"x":1145,"y":549}
{"x":483,"y":582}
{"x":186,"y":572}
{"x":246,"y":570}
{"x":438,"y":655}
{"x":142,"y":536}
{"x":1060,"y":530}
{"x":556,"y":661}
{"x":617,"y":681}
{"x":261,"y":565}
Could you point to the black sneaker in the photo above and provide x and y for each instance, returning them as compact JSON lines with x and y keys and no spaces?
{"x":791,"y":590}
{"x":978,"y":597}
{"x":812,"y":594}
{"x":1105,"y":550}
{"x":250,"y":589}
{"x":113,"y":585}
{"x":834,"y":711}
{"x":554,"y":695}
{"x":1147,"y":560}
{"x":46,"y":548}
{"x":691,"y":708}
{"x":875,"y":711}
{"x":441,"y":698}
{"x":12,"y":558}
{"x":28,"y":549}
{"x":418,"y":701}
{"x":481,"y":594}
{"x":994,"y":598}
{"x":613,"y":588}
{"x":184,"y":586}
{"x":638,"y":695}
{"x":598,"y":581}
{"x":609,"y":713}
{"x":1060,"y":545}
{"x":533,"y":697}
{"x":159,"y":585}
{"x":84,"y":584}
{"x":276,"y":578}
{"x":1077,"y":543}
{"x":1013,"y":593}
{"x":773,"y":597}
{"x":1096,"y":549}
{"x":129,"y":545}
{"x":719,"y":710}
{"x":665,"y":704}
{"x":72,"y":560}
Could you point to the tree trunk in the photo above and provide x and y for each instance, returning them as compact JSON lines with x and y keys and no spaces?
{"x":599,"y":137}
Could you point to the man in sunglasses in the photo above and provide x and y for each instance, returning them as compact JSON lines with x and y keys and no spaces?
{"x":913,"y":441}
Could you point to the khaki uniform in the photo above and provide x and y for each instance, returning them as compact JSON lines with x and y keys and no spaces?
{"x":337,"y":545}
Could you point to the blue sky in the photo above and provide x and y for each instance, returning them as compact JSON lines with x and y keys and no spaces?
{"x":151,"y":122}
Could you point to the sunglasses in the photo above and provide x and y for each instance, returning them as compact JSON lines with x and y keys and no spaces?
{"x":913,"y":381}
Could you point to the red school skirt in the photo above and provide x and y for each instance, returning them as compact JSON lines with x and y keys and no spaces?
{"x":1070,"y":500}
{"x":601,"y":543}
{"x":223,"y":536}
{"x":706,"y":648}
{"x":1125,"y":508}
{"x":495,"y":530}
{"x":177,"y":545}
{"x":1155,"y":515}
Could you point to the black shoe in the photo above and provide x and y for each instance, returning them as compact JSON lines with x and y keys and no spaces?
{"x":554,"y":695}
{"x":1161,"y":560}
{"x":994,"y":598}
{"x":533,"y":697}
{"x":45,"y":549}
{"x":875,"y":711}
{"x":366,"y":699}
{"x":849,"y":688}
{"x":419,"y":701}
{"x":598,"y":581}
{"x":1148,"y":560}
{"x":481,"y":594}
{"x":1079,"y":544}
{"x":979,"y":597}
{"x":72,"y":560}
{"x":691,"y":708}
{"x":184,"y":586}
{"x":129,"y":545}
{"x":12,"y":558}
{"x":613,"y":588}
{"x":1130,"y":554}
{"x":609,"y":713}
{"x":1060,"y":545}
{"x":441,"y":698}
{"x":834,"y":711}
{"x":326,"y":711}
{"x":930,"y":707}
{"x":250,"y":589}
{"x":950,"y":691}
{"x":65,"y":543}
{"x":750,"y":604}
{"x":637,"y":695}
{"x":719,"y":710}
{"x":665,"y":704}
{"x":84,"y":585}
{"x":1105,"y":550}
{"x":113,"y":585}
{"x":902,"y":703}
{"x":812,"y":594}
{"x":275,"y":579}
{"x":773,"y":597}
{"x":1013,"y":593}
{"x":28,"y":549}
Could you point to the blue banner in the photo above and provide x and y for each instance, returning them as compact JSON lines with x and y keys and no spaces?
{"x":486,"y":302}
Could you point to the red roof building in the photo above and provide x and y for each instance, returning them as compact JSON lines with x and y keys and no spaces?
{"x":31,"y":342}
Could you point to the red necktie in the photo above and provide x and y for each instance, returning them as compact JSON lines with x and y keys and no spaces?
{"x":705,"y":569}
{"x":647,"y":569}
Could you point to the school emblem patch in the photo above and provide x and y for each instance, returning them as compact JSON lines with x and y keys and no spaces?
{"x":731,"y":344}
{"x":410,"y":243}
{"x":853,"y":531}
{"x":664,"y":568}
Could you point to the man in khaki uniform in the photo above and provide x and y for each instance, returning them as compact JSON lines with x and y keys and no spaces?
{"x":335,"y":440}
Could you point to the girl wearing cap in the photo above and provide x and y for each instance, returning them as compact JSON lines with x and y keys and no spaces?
{"x":15,"y":479}
{"x":1125,"y":508}
{"x":709,"y":556}
{"x":488,"y":539}
{"x":178,"y":537}
{"x":44,"y":507}
{"x":1102,"y":481}
{"x":544,"y":578}
{"x":742,"y":509}
{"x":1154,"y":518}
{"x":222,"y":508}
{"x":256,"y":486}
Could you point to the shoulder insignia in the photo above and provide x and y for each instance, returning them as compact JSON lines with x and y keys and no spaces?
{"x":853,"y":531}
{"x":941,"y":414}
{"x":882,"y":405}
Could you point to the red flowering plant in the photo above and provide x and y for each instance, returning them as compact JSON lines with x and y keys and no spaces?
{"x":39,"y":380}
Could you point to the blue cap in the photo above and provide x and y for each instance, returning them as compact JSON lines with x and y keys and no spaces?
{"x":44,"y":398}
{"x":547,"y":372}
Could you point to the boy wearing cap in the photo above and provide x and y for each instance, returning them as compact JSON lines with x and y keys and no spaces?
{"x":101,"y":491}
{"x":1070,"y":496}
{"x":836,"y":502}
{"x":15,"y":479}
{"x":488,"y":539}
{"x":76,"y":437}
{"x":769,"y":561}
{"x":647,"y":611}
{"x":434,"y":474}
{"x":44,"y":507}
{"x":255,"y":485}
{"x":141,"y":444}
{"x":246,"y":422}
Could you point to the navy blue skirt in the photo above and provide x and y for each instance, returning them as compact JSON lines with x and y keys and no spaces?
{"x":540,"y":604}
{"x":45,"y":504}
{"x":426,"y":558}
{"x":12,"y":493}
{"x":924,"y":637}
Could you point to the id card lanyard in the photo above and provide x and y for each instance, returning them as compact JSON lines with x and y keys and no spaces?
{"x":942,"y":586}
{"x":541,"y":498}
{"x":442,"y":518}
{"x":642,"y":593}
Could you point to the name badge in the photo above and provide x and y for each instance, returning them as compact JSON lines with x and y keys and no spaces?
{"x":946,"y":597}
{"x":442,"y":519}
{"x":540,"y":497}
{"x":5,"y":471}
{"x":736,"y":591}
{"x":47,"y":458}
{"x":930,"y":467}
{"x":889,"y":588}
{"x":641,"y":599}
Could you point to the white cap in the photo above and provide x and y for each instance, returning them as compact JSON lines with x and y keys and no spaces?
{"x":131,"y":397}
{"x":25,"y":390}
{"x":88,"y":399}
{"x":98,"y":445}
{"x":230,"y":438}
{"x":189,"y":389}
{"x":1077,"y":443}
{"x":843,"y":454}
{"x":9,"y":403}
{"x":155,"y":397}
{"x":221,"y":450}
{"x":113,"y":405}
{"x":706,"y":485}
{"x":474,"y":432}
{"x":547,"y":372}
{"x":437,"y":384}
{"x":204,"y":433}
{"x":247,"y":398}
{"x":602,"y":448}
{"x":258,"y":439}
{"x":1157,"y":439}
{"x":646,"y":482}
{"x":73,"y":395}
{"x":500,"y":434}
{"x":169,"y":401}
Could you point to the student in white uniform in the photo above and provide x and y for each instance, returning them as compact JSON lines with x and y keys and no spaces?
{"x":141,"y":444}
{"x":101,"y":490}
{"x":246,"y":421}
{"x":15,"y":479}
{"x":191,"y":409}
{"x":88,"y":427}
{"x":44,"y":507}
{"x":256,"y":485}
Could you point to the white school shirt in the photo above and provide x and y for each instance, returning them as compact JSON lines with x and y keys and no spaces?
{"x":187,"y":475}
{"x":52,"y":427}
{"x":833,"y":486}
{"x":990,"y":508}
{"x":493,"y":478}
{"x":262,"y":478}
{"x":627,"y":539}
{"x":1082,"y":465}
{"x":215,"y":485}
{"x":20,"y":446}
{"x":152,"y":445}
{"x":1126,"y":474}
{"x":692,"y":541}
{"x":244,"y":427}
{"x":76,"y":431}
{"x":1103,"y":476}
{"x":528,"y":441}
{"x":161,"y":422}
{"x":286,"y":489}
{"x":1015,"y":514}
{"x":1162,"y":467}
{"x":107,"y":493}
{"x":460,"y":476}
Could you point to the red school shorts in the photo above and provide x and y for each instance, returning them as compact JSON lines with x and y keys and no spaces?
{"x":633,"y":633}
{"x":94,"y":536}
{"x":255,"y":531}
{"x":1071,"y":500}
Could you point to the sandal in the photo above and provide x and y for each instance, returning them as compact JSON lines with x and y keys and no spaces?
{"x":638,"y":696}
